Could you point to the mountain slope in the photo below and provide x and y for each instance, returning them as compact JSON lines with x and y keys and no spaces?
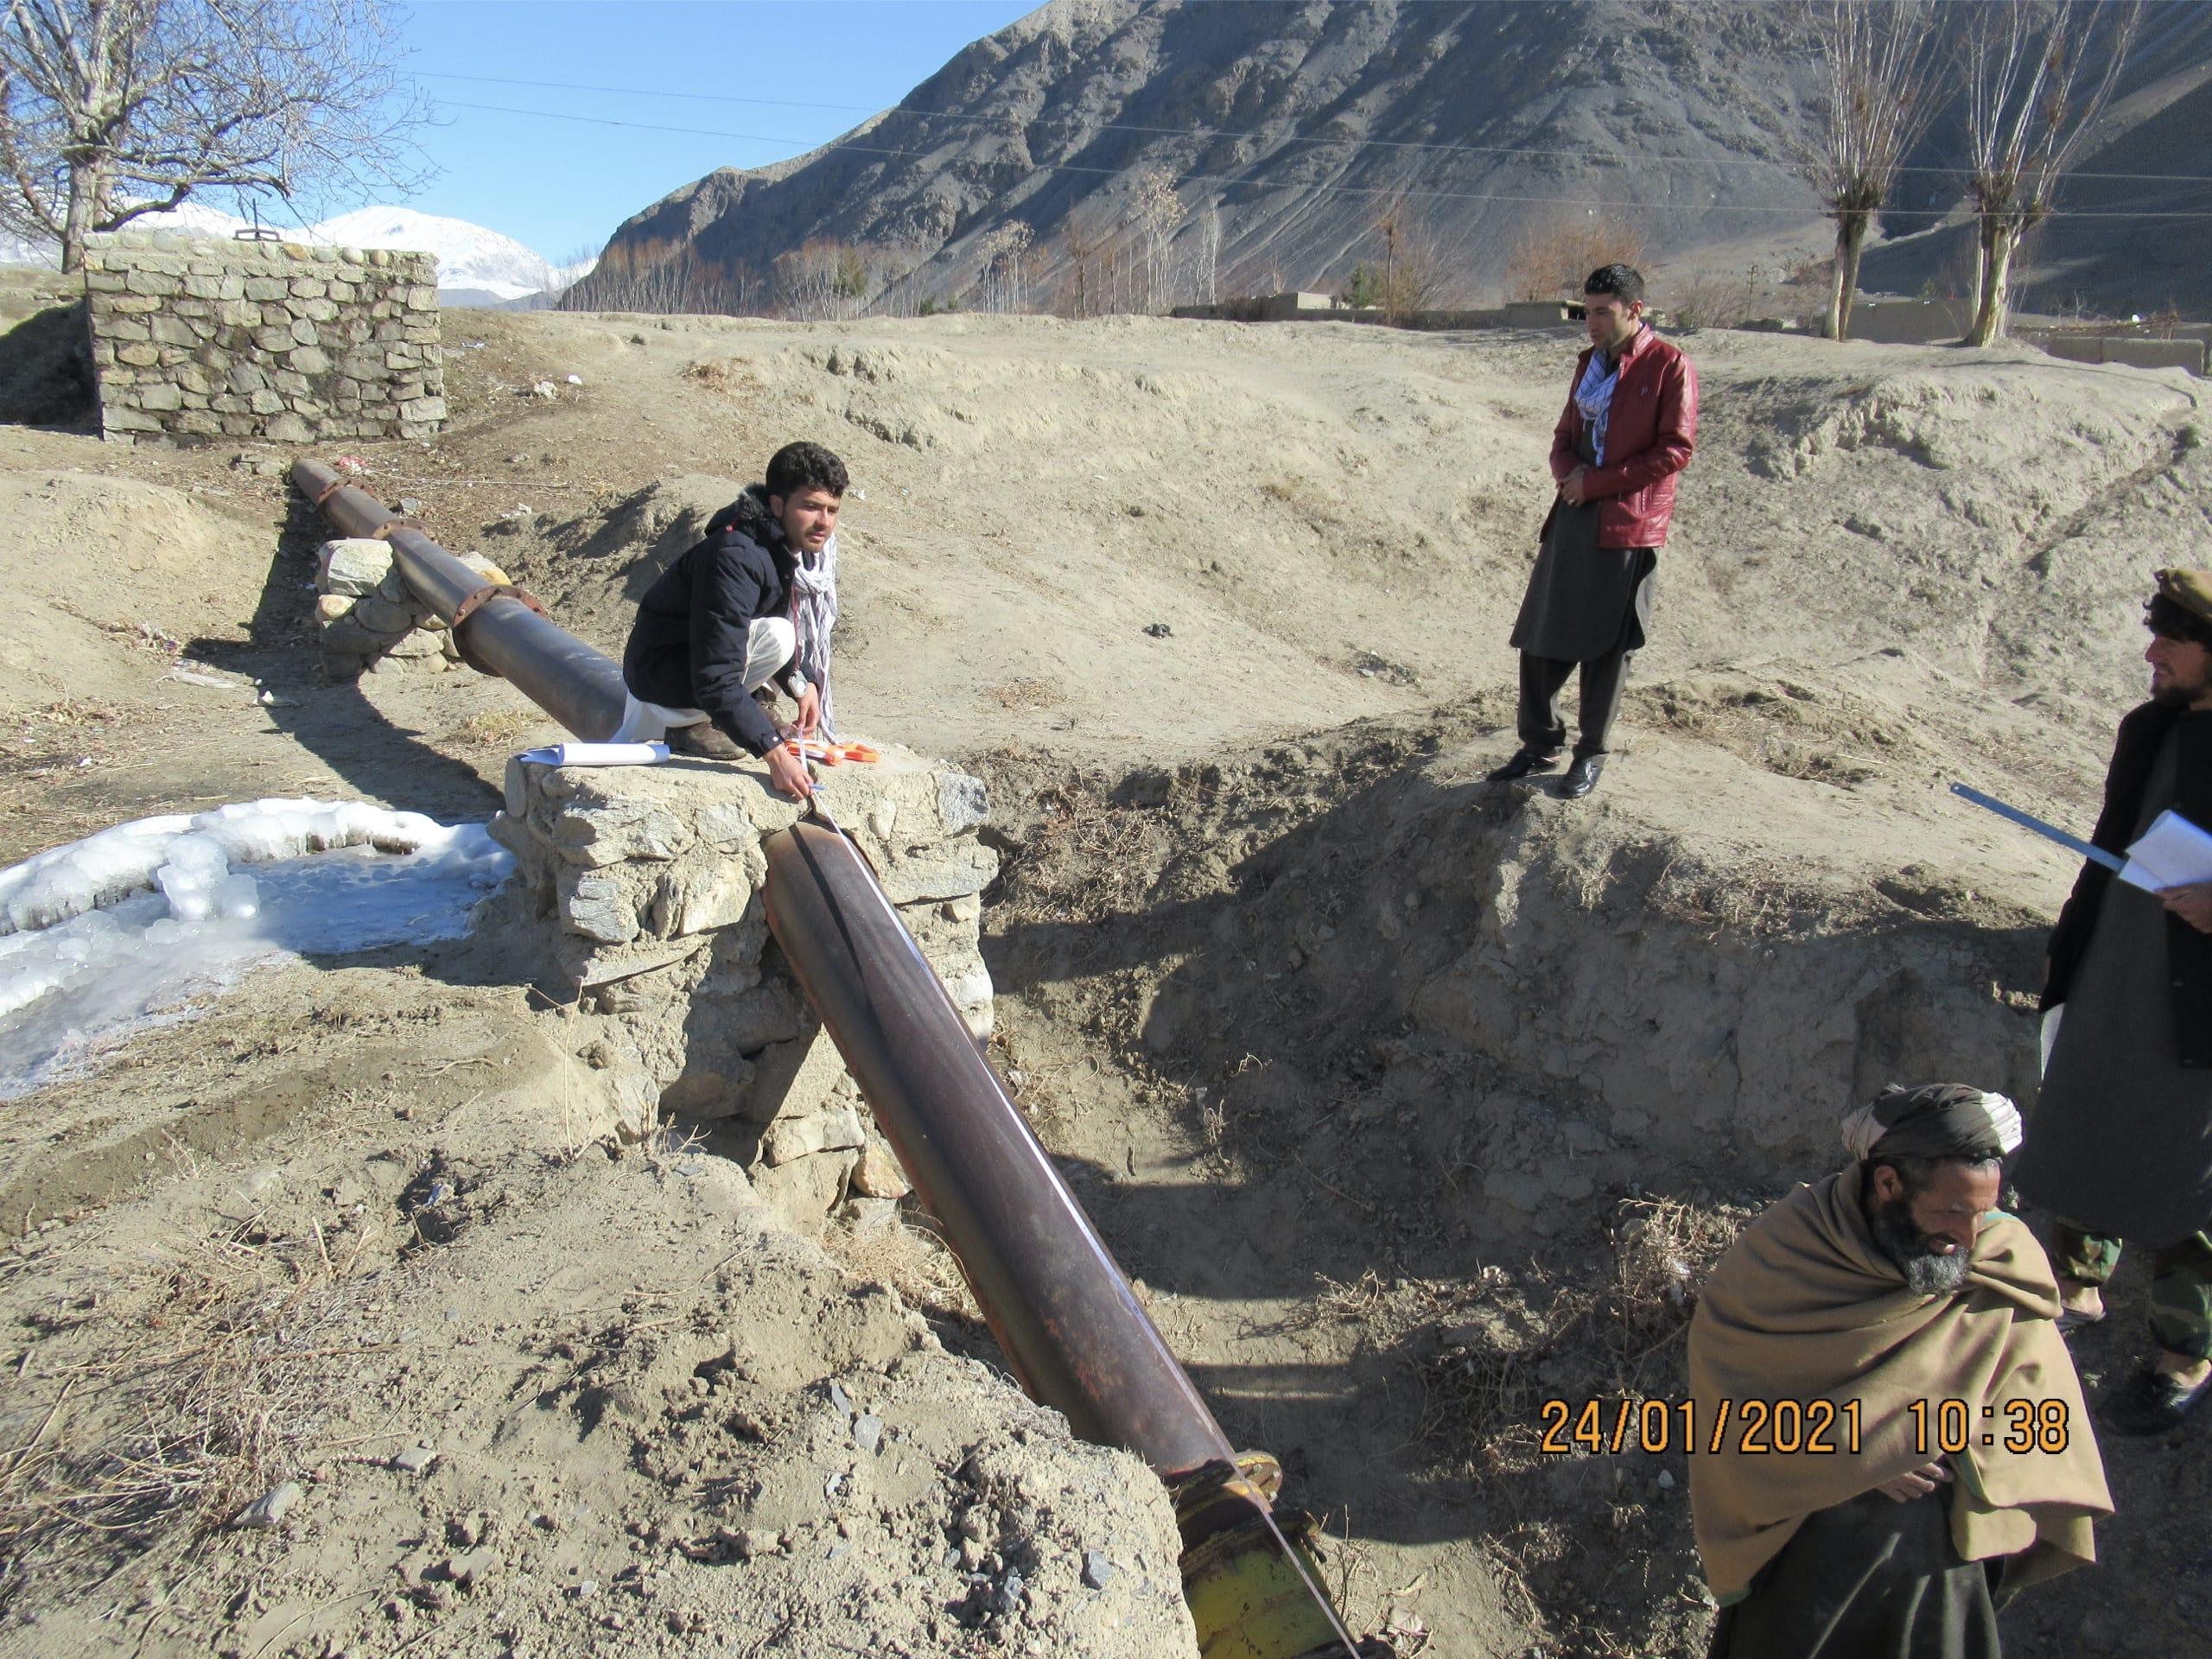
{"x":1292,"y":122}
{"x":1284,"y":126}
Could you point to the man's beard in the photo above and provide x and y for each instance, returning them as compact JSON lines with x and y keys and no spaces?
{"x":1926,"y":1272}
{"x":2175,"y":695}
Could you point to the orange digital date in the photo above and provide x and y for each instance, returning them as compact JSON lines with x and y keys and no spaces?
{"x":1745,"y":1426}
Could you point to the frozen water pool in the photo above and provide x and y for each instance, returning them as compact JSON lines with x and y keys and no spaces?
{"x":146,"y":923}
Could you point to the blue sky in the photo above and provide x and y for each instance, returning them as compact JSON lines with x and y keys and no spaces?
{"x":562,"y":185}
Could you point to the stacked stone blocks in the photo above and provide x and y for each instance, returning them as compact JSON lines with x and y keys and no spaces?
{"x":196,"y":339}
{"x":366,"y":619}
{"x":650,"y":880}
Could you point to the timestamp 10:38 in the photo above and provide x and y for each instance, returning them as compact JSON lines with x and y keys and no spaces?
{"x":1947,"y":1427}
{"x":1750,"y":1427}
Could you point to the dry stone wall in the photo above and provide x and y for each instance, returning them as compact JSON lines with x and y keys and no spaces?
{"x":649,"y":880}
{"x":367,"y":620}
{"x":195,"y":339}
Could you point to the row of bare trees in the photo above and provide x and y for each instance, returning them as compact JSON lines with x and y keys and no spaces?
{"x":2031,"y":77}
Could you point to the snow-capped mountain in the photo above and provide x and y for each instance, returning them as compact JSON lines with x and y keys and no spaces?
{"x":470,"y":255}
{"x":476,"y":266}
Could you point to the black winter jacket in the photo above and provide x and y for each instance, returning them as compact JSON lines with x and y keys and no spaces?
{"x":2189,"y":953}
{"x":687,"y":648}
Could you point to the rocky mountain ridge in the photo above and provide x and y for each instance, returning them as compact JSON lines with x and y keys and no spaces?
{"x":1196,"y":149}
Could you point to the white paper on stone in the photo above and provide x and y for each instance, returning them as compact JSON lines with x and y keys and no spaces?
{"x":139,"y":925}
{"x":597,"y":755}
{"x":2171,"y":852}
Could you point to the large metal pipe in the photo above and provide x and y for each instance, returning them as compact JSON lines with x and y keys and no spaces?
{"x":1065,"y":1317}
{"x":498,"y":630}
{"x":1068,"y":1321}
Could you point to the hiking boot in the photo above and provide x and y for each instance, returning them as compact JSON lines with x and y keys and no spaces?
{"x":2151,"y":1402}
{"x":1523,"y":762}
{"x":704,"y":741}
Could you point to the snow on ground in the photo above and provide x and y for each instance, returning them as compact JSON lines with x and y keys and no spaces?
{"x":141,"y":924}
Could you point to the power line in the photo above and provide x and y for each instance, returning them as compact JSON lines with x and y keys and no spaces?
{"x":859,"y":148}
{"x":1619,"y":158}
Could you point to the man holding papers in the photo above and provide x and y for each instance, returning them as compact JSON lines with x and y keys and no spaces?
{"x":2120,"y":1145}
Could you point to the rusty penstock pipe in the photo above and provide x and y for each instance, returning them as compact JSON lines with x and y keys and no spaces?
{"x":578,"y":686}
{"x":1068,"y":1321}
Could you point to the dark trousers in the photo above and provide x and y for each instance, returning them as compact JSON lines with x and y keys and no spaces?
{"x":1542,"y":679}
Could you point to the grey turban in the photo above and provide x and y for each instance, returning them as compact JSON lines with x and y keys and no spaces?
{"x":1940,"y":1120}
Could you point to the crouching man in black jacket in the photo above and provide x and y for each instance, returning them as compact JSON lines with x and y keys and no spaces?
{"x":751,"y":603}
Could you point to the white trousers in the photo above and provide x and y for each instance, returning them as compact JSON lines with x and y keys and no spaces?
{"x":768,"y":646}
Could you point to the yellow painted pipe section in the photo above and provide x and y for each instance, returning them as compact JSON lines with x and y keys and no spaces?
{"x":1254,"y":1592}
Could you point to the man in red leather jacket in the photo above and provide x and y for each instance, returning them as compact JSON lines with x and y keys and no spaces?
{"x":1630,"y":425}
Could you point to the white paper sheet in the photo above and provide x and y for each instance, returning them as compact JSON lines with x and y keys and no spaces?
{"x":598,"y":754}
{"x":2171,"y":852}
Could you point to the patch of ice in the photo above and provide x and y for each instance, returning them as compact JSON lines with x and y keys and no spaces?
{"x":67,"y":881}
{"x":139,"y":925}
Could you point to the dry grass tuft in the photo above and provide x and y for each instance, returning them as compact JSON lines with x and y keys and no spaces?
{"x":496,"y":728}
{"x":215,"y":1376}
{"x":1486,"y":1381}
{"x":726,"y":375}
{"x":1087,"y":860}
{"x":1017,"y":696}
{"x":913,"y":1260}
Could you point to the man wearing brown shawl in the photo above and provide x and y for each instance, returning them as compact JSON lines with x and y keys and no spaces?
{"x":1887,"y":1289}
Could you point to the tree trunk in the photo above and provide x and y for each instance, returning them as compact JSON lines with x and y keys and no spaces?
{"x":1843,"y":274}
{"x":1850,"y":243}
{"x":85,"y":189}
{"x":1997,"y":243}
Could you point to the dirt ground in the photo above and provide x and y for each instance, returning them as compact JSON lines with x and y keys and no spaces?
{"x":1410,"y":1101}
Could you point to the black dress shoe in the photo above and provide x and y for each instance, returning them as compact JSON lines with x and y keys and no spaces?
{"x":1523,"y":762}
{"x":1582,"y":777}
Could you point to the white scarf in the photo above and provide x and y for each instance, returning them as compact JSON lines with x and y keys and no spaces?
{"x":814,"y":612}
{"x":1594,"y":398}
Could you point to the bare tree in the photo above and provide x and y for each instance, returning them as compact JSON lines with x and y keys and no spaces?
{"x":1082,"y":242}
{"x":1415,"y":269}
{"x":1551,"y":255}
{"x":110,"y":109}
{"x":1004,"y":284}
{"x":2035,"y":74}
{"x":824,"y":280}
{"x":1205,"y":259}
{"x":665,"y":277}
{"x":1877,"y":63}
{"x":1158,"y":211}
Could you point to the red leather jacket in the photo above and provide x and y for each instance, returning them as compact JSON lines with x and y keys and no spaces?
{"x":1649,"y":436}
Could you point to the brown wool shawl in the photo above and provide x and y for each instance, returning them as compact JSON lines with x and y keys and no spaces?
{"x":1806,"y":1306}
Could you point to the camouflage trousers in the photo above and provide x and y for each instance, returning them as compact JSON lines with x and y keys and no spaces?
{"x":2181,"y":1283}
